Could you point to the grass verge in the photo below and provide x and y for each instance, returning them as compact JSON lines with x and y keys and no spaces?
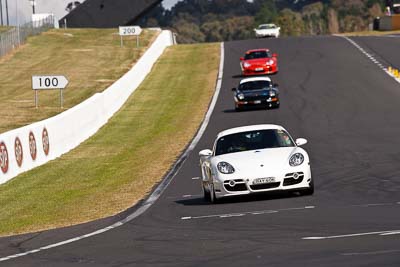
{"x":5,"y":28}
{"x":92,"y":59}
{"x":121,"y":163}
{"x":370,"y":33}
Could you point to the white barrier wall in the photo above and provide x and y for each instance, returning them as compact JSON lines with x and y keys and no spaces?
{"x":27,"y":147}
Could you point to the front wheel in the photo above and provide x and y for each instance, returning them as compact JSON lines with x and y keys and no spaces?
{"x":213,"y":198}
{"x":206,"y":194}
{"x":309,"y":191}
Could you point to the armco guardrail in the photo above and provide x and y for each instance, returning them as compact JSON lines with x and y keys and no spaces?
{"x":30,"y":146}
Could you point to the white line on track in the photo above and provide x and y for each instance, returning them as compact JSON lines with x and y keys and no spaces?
{"x":373,"y":205}
{"x":371,"y":57}
{"x":381,"y":233}
{"x":371,"y":252}
{"x":241,"y":214}
{"x":196,"y":178}
{"x":160,"y":188}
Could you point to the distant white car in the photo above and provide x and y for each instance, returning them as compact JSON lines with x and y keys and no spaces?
{"x":252,"y":159}
{"x":267,"y":30}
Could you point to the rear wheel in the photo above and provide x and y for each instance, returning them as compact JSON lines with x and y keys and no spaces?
{"x":238,"y":108}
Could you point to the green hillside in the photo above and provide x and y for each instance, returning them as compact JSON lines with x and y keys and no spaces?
{"x":224,"y":20}
{"x":91,"y":59}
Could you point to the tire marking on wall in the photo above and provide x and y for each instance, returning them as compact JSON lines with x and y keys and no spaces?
{"x":32,"y":145}
{"x":4,"y":160}
{"x":19,"y":152}
{"x":45,"y":142}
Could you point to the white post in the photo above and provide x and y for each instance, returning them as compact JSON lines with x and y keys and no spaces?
{"x":36,"y":99}
{"x":18,"y":29}
{"x":61,"y":98}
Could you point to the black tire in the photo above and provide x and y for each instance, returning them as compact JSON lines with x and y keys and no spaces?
{"x":213,"y":198}
{"x":309,"y":191}
{"x":206,"y":194}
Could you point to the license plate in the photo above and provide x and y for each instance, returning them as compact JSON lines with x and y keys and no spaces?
{"x":264,"y":180}
{"x":257,"y":102}
{"x":259,"y":69}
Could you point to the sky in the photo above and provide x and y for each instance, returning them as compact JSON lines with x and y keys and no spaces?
{"x":56,"y":7}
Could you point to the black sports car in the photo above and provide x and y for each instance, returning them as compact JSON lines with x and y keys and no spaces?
{"x":256,"y":92}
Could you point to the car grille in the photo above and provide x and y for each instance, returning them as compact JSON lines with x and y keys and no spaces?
{"x":263,"y":98}
{"x":290,"y":178}
{"x":235,"y":185}
{"x":264,"y":186}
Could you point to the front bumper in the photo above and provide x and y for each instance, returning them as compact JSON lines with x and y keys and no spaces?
{"x":261,"y":35}
{"x":265,"y":102}
{"x":260,"y":70}
{"x":288,"y":180}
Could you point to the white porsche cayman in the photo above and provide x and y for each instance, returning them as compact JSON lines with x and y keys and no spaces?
{"x":252,"y":159}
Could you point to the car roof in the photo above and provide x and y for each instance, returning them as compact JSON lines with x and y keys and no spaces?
{"x":256,"y":50}
{"x":250,"y":128}
{"x":252,"y":79}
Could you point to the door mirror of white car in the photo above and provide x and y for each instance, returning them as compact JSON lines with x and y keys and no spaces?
{"x":205,"y":153}
{"x":233,"y":89}
{"x":301,"y":141}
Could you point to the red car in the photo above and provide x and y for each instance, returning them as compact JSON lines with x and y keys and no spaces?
{"x":259,"y":61}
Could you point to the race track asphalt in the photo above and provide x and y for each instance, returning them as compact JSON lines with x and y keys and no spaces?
{"x":332,"y":95}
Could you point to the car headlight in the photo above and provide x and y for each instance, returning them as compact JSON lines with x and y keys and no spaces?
{"x":296,"y":159}
{"x":240,"y":96}
{"x":246,"y":65}
{"x":272,"y":93}
{"x":225,"y":167}
{"x":269,"y":62}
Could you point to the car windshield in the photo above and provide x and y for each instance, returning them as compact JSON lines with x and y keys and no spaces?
{"x":253,"y":140}
{"x":257,"y":54}
{"x":267,"y":26}
{"x":254,"y":85}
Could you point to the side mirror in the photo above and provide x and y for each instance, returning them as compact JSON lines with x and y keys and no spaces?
{"x":234,"y":89}
{"x":242,"y":58}
{"x":274,"y":55}
{"x":205,"y":153}
{"x":275,"y":85}
{"x":301,"y":141}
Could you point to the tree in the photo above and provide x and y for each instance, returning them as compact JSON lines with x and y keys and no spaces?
{"x":267,"y":14}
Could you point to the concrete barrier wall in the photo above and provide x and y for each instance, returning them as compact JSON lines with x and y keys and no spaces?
{"x":28,"y":147}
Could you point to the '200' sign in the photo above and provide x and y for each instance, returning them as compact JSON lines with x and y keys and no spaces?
{"x":129,"y":30}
